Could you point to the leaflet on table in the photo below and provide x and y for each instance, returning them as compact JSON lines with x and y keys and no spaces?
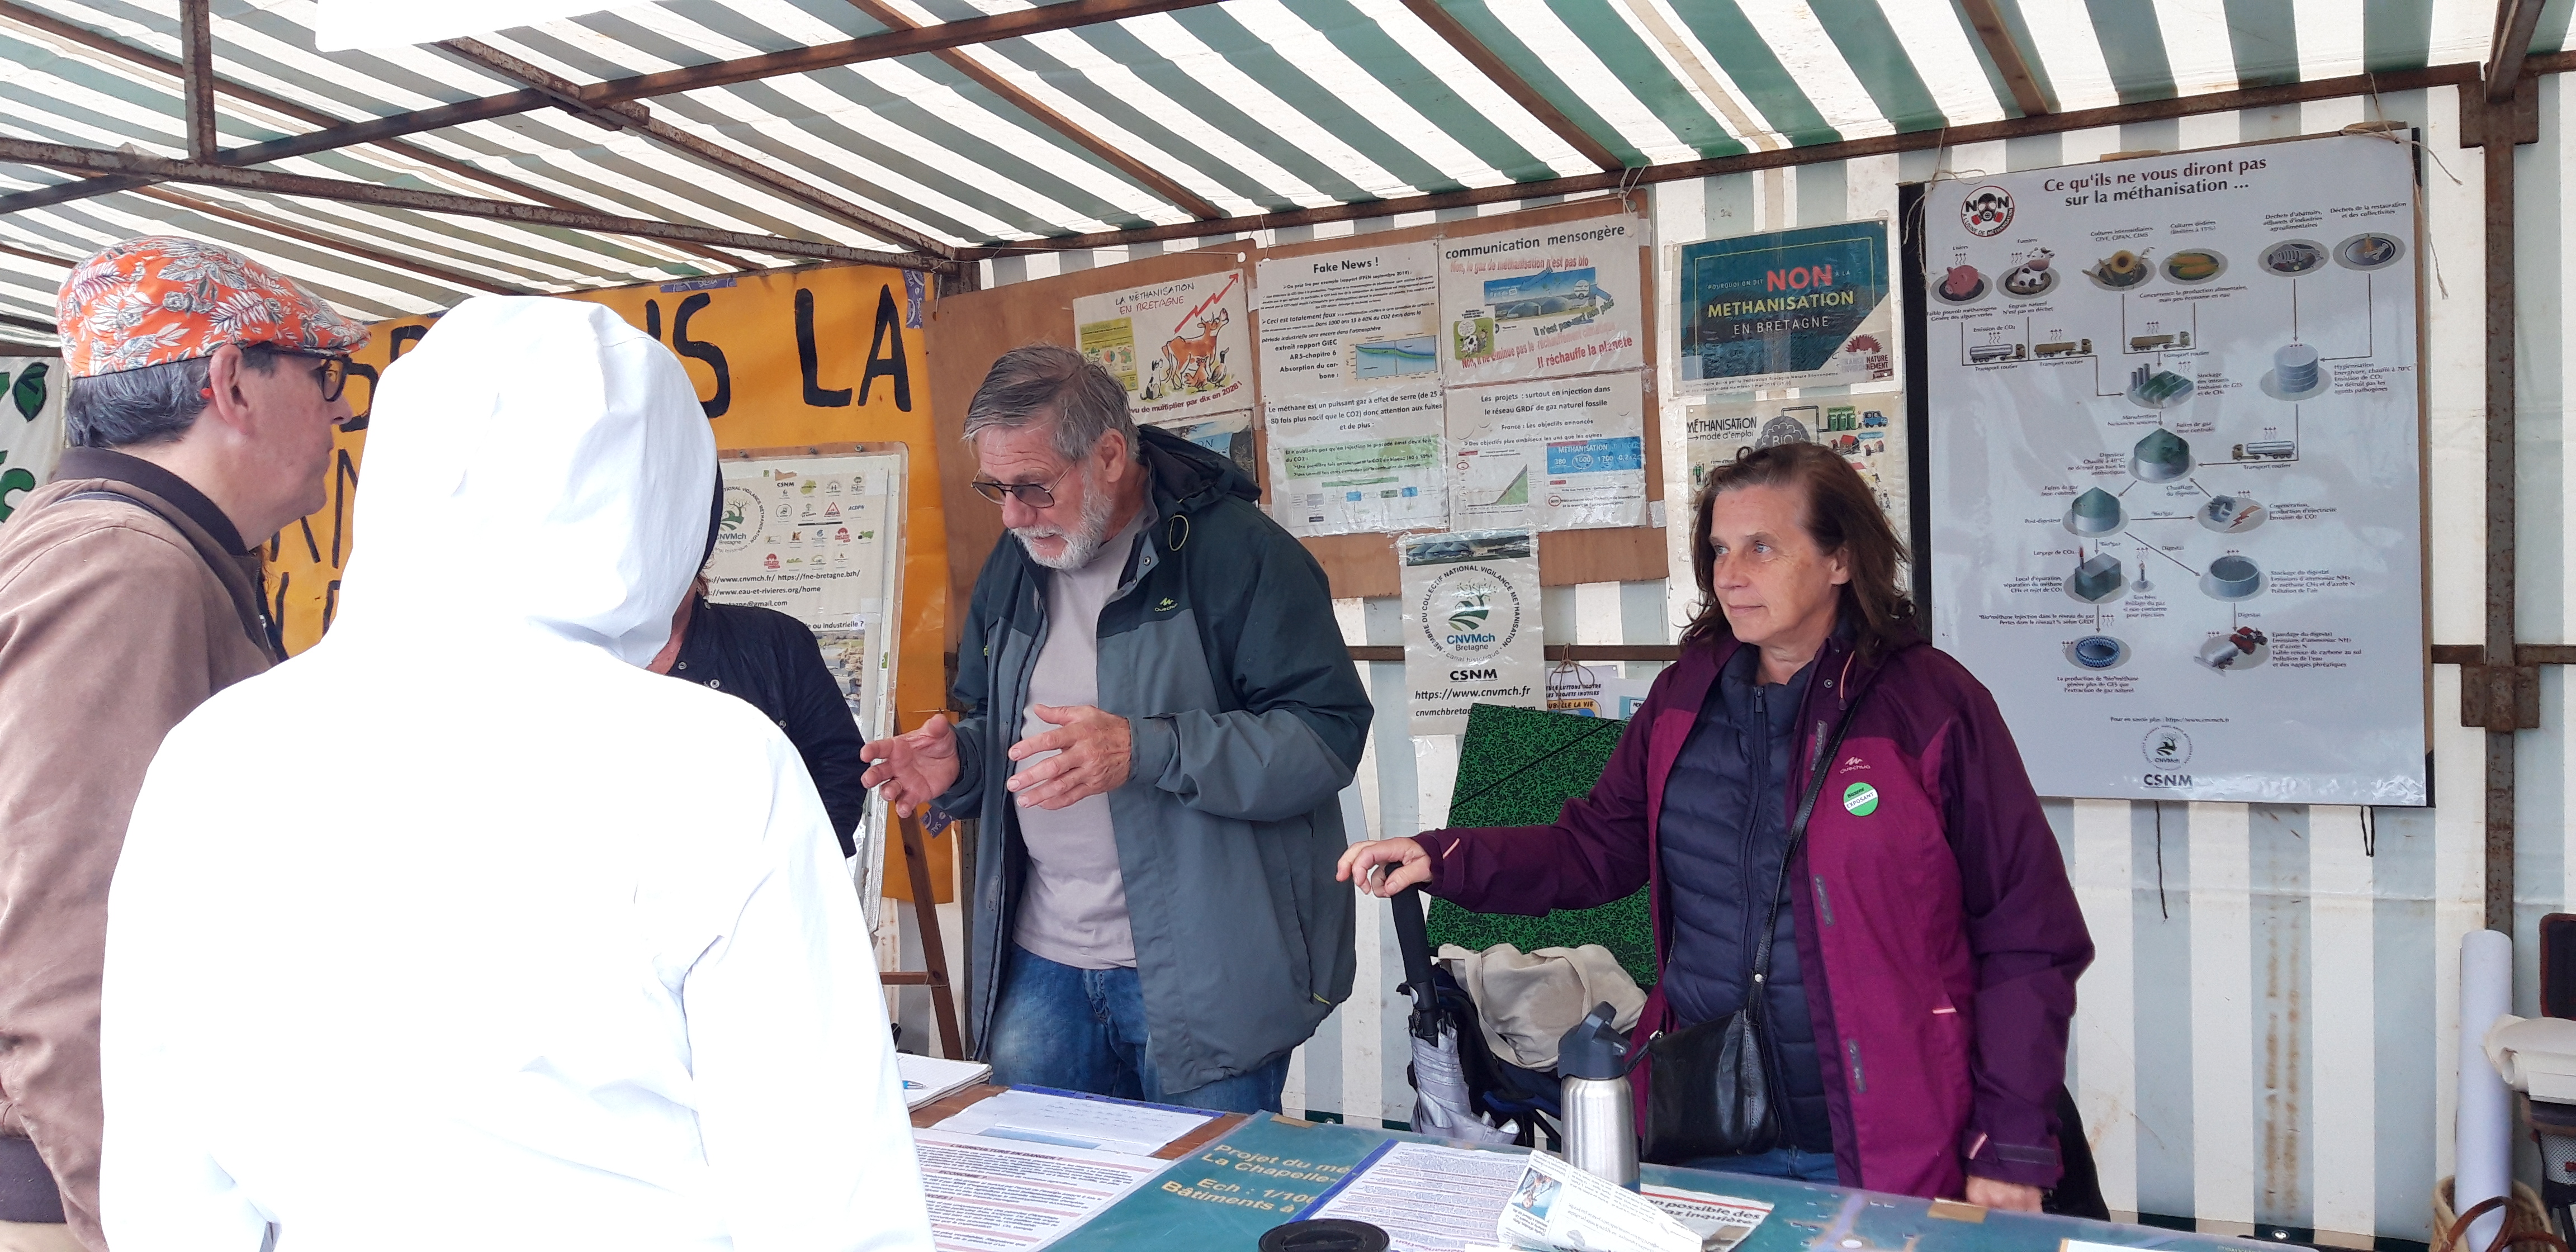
{"x":1355,"y":463}
{"x":928,"y":1078}
{"x":1786,"y":308}
{"x":1339,"y":322}
{"x":1868,"y":428}
{"x":1425,"y":1196}
{"x":1178,"y":346}
{"x":1543,"y":302}
{"x":1566,"y":454}
{"x":992,"y":1195}
{"x":1720,"y":1221}
{"x":1081,"y":1121}
{"x":1471,"y":620}
{"x":1558,"y":1208}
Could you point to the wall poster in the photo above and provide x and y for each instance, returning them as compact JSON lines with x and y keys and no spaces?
{"x":1471,"y":625}
{"x":1550,"y":455}
{"x":820,"y":539}
{"x":2175,"y":441}
{"x":1350,"y":389}
{"x":1543,"y":302}
{"x":31,"y":425}
{"x":1786,"y":308}
{"x":1178,"y":345}
{"x":1867,"y":427}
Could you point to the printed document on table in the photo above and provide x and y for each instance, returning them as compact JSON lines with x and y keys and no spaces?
{"x":1563,"y":454}
{"x":1558,"y":1208}
{"x":927,"y":1078}
{"x":1720,"y":1221}
{"x":992,"y":1195}
{"x":1078,"y":1121}
{"x":1426,"y":1197}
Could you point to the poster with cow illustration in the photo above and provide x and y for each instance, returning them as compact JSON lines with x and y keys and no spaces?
{"x":1180,"y":348}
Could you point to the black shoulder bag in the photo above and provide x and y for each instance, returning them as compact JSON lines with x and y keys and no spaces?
{"x":1709,"y":1087}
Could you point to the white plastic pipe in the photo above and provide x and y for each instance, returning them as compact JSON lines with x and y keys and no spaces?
{"x":2484,"y":1153}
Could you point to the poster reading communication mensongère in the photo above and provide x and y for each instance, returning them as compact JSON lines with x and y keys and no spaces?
{"x":2175,"y":449}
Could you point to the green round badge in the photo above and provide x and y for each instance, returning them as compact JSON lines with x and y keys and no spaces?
{"x":1860,"y":799}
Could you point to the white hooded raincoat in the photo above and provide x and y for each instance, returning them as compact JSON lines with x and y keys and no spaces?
{"x":461,"y":930}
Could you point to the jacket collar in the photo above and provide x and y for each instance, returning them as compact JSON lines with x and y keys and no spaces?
{"x":120,"y":467}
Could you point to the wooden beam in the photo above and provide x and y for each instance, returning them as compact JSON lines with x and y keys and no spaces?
{"x":2515,"y":21}
{"x":630,"y":115}
{"x":1493,"y":67}
{"x":1016,"y":24}
{"x":2006,"y":54}
{"x":1909,"y":141}
{"x":1147,"y":176}
{"x":289,"y":230}
{"x":107,"y":161}
{"x":28,"y":323}
{"x":197,"y":77}
{"x":47,"y":258}
{"x":10,"y":348}
{"x":148,"y":59}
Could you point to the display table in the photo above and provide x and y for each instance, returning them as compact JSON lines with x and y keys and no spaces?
{"x":1240,"y":1176}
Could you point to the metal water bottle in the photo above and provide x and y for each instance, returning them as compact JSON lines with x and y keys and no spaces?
{"x":1600,"y":1119}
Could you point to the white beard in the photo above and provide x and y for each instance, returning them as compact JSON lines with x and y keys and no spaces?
{"x":1083,"y":541}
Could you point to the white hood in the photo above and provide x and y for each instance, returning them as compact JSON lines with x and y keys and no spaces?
{"x":532,"y":461}
{"x":460,"y":929}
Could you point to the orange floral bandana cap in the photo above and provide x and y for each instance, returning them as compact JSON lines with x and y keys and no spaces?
{"x":162,"y":298}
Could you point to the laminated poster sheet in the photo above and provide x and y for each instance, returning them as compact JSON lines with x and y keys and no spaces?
{"x":1868,"y":428}
{"x":1543,"y":302}
{"x":1178,"y":346}
{"x":2176,"y":512}
{"x":1562,"y":454}
{"x":1786,"y":308}
{"x":820,"y":539}
{"x":1350,"y":388}
{"x":1471,"y":620}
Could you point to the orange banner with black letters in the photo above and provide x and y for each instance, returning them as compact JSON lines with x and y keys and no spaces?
{"x":833,"y":354}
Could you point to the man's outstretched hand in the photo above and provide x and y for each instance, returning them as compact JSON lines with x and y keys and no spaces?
{"x":1094,"y":752}
{"x":911,"y":770}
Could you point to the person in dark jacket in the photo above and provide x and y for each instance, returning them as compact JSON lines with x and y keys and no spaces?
{"x":771,"y":660}
{"x":1159,"y":719}
{"x":1923,"y":972}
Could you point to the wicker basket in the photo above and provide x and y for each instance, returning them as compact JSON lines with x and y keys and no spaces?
{"x":2524,"y":1220}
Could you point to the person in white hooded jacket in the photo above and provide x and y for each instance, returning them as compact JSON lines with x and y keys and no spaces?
{"x":462,"y":930}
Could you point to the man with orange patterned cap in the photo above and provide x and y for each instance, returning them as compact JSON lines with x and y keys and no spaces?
{"x":205,"y":391}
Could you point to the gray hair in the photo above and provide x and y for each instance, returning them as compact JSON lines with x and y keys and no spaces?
{"x":1043,"y":381}
{"x":154,"y":404}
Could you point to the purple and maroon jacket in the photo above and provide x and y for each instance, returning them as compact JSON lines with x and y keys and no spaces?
{"x":1941,"y":939}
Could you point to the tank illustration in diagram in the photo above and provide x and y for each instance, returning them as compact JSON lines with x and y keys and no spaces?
{"x":2174,"y":426}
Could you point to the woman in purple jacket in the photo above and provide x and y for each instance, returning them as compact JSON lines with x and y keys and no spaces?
{"x":1922,"y":979}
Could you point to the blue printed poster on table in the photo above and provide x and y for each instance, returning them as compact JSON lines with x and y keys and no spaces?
{"x":1786,"y":308}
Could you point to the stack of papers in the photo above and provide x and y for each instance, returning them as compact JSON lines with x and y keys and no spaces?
{"x":1019,"y":1170}
{"x":928,"y":1078}
{"x":1069,"y":1119}
{"x":1437,"y":1198}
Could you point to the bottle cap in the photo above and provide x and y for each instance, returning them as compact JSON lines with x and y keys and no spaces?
{"x":1325,"y":1234}
{"x":1595,"y":1048}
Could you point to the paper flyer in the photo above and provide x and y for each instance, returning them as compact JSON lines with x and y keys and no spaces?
{"x":2176,"y":460}
{"x":1562,"y":454}
{"x":1559,"y":1208}
{"x":31,"y":425}
{"x":1786,"y":308}
{"x":997,"y":1195}
{"x":1357,"y":463}
{"x":1868,"y":428}
{"x":1427,"y":1197}
{"x":817,"y":539}
{"x":1543,"y":302}
{"x":1471,"y":621}
{"x":1178,"y":346}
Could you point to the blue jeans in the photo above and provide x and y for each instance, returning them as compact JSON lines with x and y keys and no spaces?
{"x":1776,"y":1163}
{"x":1084,"y":1030}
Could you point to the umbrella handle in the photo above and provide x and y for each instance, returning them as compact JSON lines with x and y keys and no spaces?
{"x":1414,"y":942}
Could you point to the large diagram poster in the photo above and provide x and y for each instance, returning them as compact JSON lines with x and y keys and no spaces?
{"x":816,"y":539}
{"x":2176,"y":520}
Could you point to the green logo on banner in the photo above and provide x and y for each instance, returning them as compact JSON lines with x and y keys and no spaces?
{"x":1860,"y":799}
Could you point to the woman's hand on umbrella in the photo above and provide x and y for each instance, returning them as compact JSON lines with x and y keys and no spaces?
{"x":1384,"y":867}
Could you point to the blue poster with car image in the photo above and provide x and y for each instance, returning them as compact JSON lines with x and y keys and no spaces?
{"x":1787,"y":308}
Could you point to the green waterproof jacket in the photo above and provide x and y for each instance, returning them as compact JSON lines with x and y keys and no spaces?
{"x":1220,"y":648}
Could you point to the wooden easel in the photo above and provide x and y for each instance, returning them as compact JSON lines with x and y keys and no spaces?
{"x":934,"y":949}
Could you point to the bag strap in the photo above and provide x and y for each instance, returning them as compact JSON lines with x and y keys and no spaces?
{"x":1824,"y":761}
{"x":255,"y":624}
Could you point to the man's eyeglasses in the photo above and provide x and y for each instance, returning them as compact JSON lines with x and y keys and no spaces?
{"x":331,"y":372}
{"x":1034,"y":495}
